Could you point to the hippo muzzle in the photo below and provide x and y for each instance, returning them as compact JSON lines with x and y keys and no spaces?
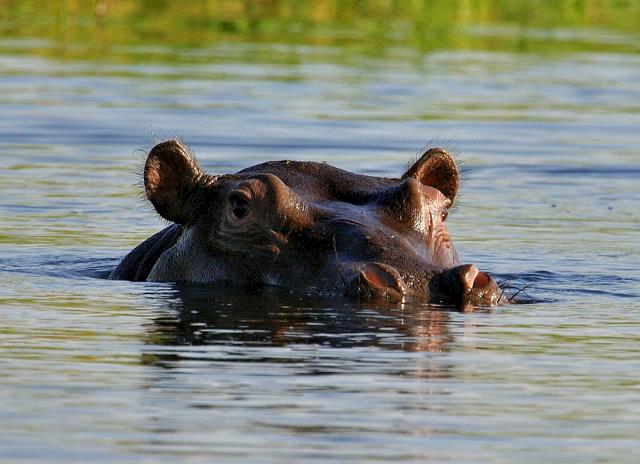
{"x":462,"y":286}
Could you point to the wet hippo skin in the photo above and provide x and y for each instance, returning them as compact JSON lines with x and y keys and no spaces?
{"x":309,"y":227}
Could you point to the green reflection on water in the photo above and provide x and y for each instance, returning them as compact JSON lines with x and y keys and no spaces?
{"x":152,"y":31}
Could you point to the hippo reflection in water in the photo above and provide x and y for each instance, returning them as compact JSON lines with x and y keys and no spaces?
{"x":308,"y":227}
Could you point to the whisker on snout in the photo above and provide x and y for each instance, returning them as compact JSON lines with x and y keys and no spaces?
{"x":510,"y":290}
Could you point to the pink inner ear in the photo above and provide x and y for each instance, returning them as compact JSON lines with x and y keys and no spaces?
{"x":437,"y":169}
{"x":431,"y":181}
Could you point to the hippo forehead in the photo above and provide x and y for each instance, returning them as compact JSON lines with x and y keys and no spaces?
{"x":321,"y":183}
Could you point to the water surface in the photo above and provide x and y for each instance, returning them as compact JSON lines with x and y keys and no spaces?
{"x":544,"y":117}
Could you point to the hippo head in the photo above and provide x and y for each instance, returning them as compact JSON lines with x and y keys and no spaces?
{"x":308,"y":226}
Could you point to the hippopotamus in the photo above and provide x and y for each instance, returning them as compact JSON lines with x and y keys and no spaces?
{"x":308,"y":227}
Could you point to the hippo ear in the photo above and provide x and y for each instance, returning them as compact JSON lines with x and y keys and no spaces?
{"x":170,"y":175}
{"x":436,"y":168}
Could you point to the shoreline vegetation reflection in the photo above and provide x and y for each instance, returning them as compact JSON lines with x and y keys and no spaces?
{"x":145,"y":31}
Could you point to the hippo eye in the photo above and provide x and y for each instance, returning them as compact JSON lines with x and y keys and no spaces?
{"x":239,"y":207}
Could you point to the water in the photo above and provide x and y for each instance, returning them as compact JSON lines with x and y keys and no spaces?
{"x":99,"y":371}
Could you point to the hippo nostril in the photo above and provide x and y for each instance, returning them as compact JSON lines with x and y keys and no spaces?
{"x":379,"y":280}
{"x":481,"y":280}
{"x":468,"y":273}
{"x":383,"y":276}
{"x":465,"y":284}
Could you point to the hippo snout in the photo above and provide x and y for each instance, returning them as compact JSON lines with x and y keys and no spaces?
{"x":465,"y":285}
